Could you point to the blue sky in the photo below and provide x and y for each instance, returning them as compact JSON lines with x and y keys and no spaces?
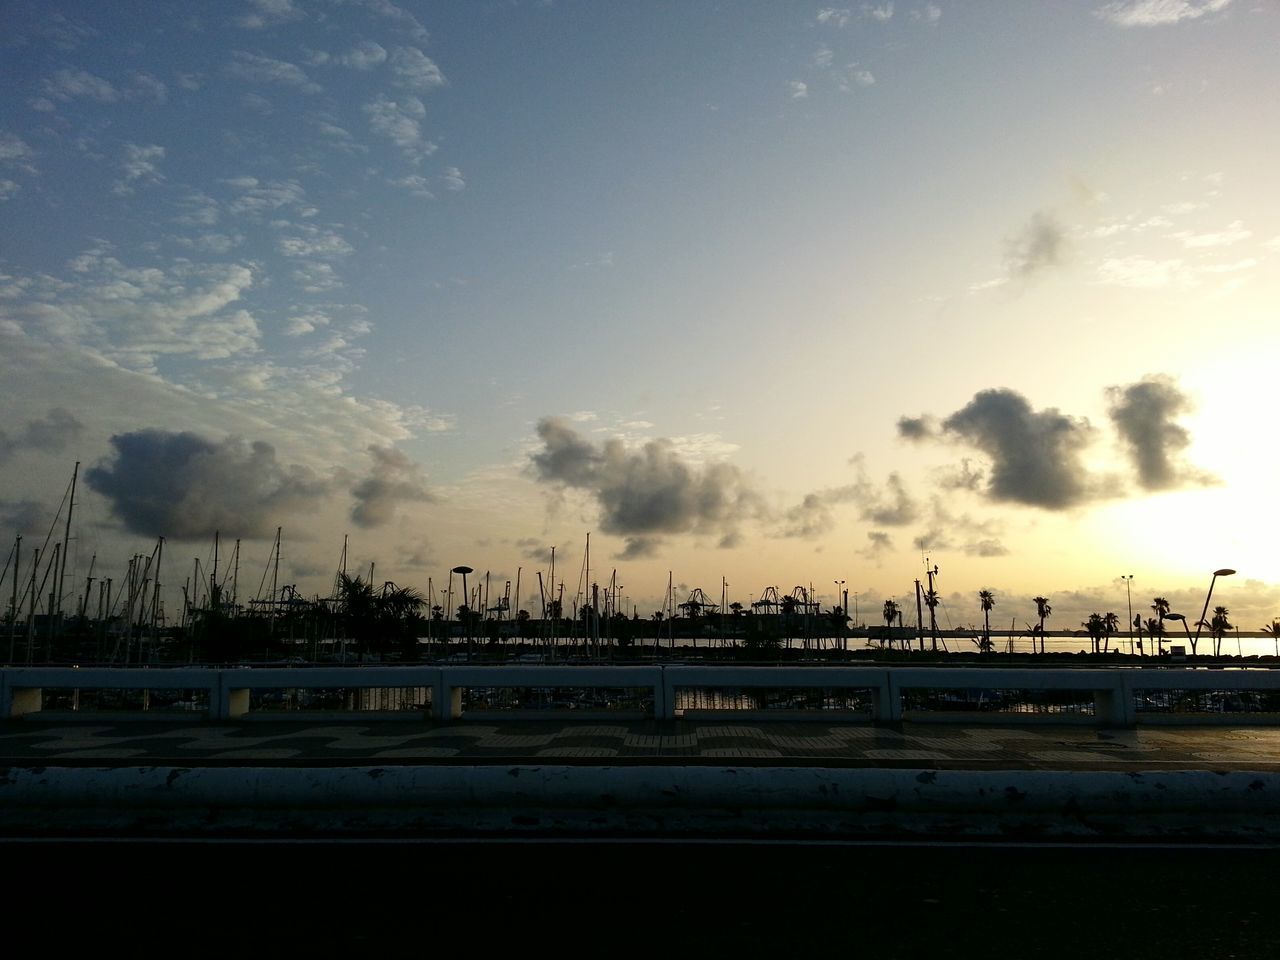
{"x":780,"y":293}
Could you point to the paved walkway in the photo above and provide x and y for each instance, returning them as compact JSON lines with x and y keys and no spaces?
{"x":31,"y":742}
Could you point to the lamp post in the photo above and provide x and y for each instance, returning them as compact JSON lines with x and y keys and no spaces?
{"x":1224,"y":572}
{"x":466,"y":599}
{"x":1128,"y":593}
{"x":1185,"y":628}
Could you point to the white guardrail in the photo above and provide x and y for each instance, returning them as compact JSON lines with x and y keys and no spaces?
{"x":1111,"y":697}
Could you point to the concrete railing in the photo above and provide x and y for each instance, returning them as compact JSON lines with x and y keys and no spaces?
{"x":1113,"y":697}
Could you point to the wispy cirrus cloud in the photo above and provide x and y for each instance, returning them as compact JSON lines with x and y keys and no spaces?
{"x":255,"y":68}
{"x":1156,"y":13}
{"x":268,"y":13}
{"x":74,"y":84}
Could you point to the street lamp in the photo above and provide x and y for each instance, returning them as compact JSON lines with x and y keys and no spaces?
{"x":466,"y":599}
{"x":1128,"y":592}
{"x":1185,"y":628}
{"x":1224,"y":572}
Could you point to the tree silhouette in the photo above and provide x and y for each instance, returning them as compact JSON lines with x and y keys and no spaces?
{"x":1111,"y":626}
{"x":890,"y":615}
{"x":931,"y":600}
{"x":1097,"y":627}
{"x":986,"y":600}
{"x":1218,"y":626}
{"x":1042,"y":610}
{"x":1273,"y":631}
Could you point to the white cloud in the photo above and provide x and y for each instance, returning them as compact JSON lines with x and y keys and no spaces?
{"x":1153,"y":13}
{"x":67,"y":85}
{"x":798,"y":89}
{"x":854,"y":76}
{"x":267,"y":13}
{"x":398,"y":121}
{"x":140,"y":163}
{"x":365,"y":55}
{"x":835,"y":16}
{"x":198,"y":210}
{"x":1141,"y":272}
{"x":453,"y":179}
{"x":8,"y":189}
{"x":416,"y":184}
{"x":253,"y":68}
{"x":132,"y":316}
{"x":219,"y":243}
{"x":415,"y":69}
{"x":317,"y":278}
{"x":305,"y":323}
{"x":15,"y":152}
{"x":823,"y":56}
{"x":312,"y":241}
{"x":1223,"y":238}
{"x":257,"y":197}
{"x":882,"y":12}
{"x":931,"y":13}
{"x":403,"y":18}
{"x":150,"y":88}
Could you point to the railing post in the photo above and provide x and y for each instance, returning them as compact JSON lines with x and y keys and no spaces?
{"x":668,"y":682}
{"x":446,"y":699}
{"x":889,"y":698}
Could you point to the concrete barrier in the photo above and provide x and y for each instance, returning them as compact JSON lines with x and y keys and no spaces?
{"x":1114,"y":696}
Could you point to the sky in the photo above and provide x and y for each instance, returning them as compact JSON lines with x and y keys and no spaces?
{"x":754,"y":294}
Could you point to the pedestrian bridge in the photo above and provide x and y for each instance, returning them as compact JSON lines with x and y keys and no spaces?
{"x":872,"y":694}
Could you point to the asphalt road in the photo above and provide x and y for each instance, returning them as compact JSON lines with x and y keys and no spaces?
{"x":664,"y":900}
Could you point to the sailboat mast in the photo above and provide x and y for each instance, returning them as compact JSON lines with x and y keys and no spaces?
{"x":66,"y":539}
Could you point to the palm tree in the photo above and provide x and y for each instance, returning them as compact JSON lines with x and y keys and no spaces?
{"x":1274,"y":630}
{"x":1218,"y":626}
{"x":1042,"y":610}
{"x":1111,"y":624}
{"x":1161,"y":607}
{"x":931,"y":600}
{"x":890,"y":615}
{"x":986,"y":600}
{"x":1097,"y":627}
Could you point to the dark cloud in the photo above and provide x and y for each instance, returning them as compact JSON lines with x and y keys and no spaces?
{"x":52,"y":434}
{"x":963,"y":477}
{"x":970,"y":536}
{"x":1041,"y":243}
{"x":893,"y":507}
{"x":917,"y":428}
{"x":890,"y":506}
{"x":1036,"y":455}
{"x":24,"y":516}
{"x":393,"y":479}
{"x":185,"y":486}
{"x":648,"y":492}
{"x":639,"y":547}
{"x":1144,"y":414}
{"x":985,"y":548}
{"x":879,"y":543}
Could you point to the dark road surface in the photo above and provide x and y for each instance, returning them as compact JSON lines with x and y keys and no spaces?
{"x":663,"y":900}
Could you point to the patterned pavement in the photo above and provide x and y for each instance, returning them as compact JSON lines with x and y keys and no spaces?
{"x":27,"y":743}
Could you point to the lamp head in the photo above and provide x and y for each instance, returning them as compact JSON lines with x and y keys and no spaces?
{"x":462,"y":569}
{"x":1174,"y":616}
{"x":1224,"y":572}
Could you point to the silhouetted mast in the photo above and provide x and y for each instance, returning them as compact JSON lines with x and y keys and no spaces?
{"x":66,"y":539}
